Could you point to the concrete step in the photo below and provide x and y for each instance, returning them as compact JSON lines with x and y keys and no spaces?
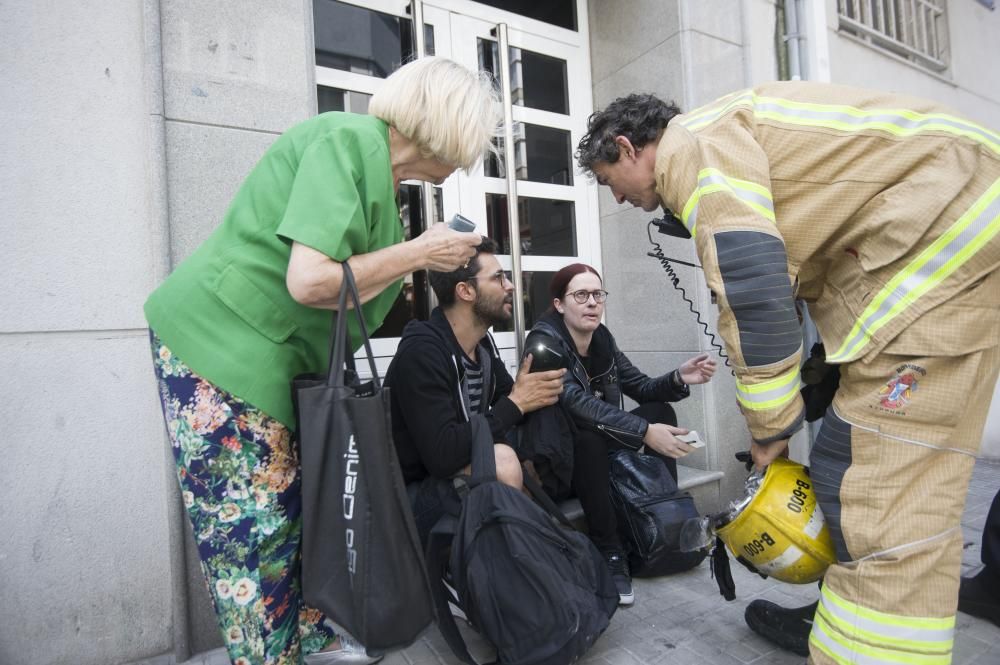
{"x":689,"y":477}
{"x":703,"y":485}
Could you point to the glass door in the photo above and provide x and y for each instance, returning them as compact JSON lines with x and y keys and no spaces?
{"x":358,"y":44}
{"x":551,"y":100}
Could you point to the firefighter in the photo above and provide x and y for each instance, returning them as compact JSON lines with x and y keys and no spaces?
{"x":881,"y":211}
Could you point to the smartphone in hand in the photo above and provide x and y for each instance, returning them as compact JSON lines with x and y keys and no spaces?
{"x":461,"y":224}
{"x":544,"y":357}
{"x":692,"y":439}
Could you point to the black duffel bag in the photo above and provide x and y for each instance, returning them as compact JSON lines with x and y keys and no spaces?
{"x":540,"y":592}
{"x":650,"y":511}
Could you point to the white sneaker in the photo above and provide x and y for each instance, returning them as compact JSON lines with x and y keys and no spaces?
{"x":453,"y":605}
{"x":349,"y":653}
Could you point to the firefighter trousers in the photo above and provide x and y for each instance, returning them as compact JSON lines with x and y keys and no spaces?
{"x":891,"y":467}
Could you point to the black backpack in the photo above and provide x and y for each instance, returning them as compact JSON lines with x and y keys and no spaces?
{"x":650,"y":511}
{"x":540,"y":593}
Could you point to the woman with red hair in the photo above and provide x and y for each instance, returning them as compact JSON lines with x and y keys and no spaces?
{"x":598,"y":376}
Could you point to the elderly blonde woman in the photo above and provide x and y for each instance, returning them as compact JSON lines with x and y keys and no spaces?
{"x":248,"y":310}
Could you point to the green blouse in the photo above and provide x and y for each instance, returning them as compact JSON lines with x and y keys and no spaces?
{"x":225,"y":311}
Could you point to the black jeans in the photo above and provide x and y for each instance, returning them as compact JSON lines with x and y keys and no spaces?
{"x":591,"y":470}
{"x":431,"y":499}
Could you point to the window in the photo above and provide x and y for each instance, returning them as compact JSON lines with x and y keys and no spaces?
{"x":360,"y":40}
{"x":543,"y":154}
{"x":548,"y":227}
{"x":537,"y":81}
{"x":335,"y":99}
{"x":913,"y":29}
{"x":555,"y":12}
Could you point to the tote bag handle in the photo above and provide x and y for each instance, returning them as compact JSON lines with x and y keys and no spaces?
{"x":338,"y":333}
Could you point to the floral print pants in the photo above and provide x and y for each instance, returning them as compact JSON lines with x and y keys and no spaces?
{"x":239,"y":476}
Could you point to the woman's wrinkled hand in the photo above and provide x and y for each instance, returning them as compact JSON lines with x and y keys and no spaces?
{"x":445,"y":250}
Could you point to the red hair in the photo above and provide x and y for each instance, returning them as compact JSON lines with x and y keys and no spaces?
{"x":557,"y":287}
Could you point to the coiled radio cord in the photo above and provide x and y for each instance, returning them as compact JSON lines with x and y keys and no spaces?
{"x":675,"y":281}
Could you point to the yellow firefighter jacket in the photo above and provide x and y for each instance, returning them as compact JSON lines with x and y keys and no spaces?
{"x":875,"y":207}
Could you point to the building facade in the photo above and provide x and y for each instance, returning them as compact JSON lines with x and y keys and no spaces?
{"x":128,"y":126}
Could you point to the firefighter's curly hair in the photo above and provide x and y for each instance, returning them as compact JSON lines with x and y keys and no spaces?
{"x":639,"y":118}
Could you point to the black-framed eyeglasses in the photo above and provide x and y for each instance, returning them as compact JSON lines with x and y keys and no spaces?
{"x":582,"y":296}
{"x":501,"y":276}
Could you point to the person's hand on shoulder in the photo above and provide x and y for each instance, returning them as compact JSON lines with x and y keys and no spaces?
{"x":445,"y":250}
{"x":662,"y":439}
{"x":535,"y":390}
{"x":697,"y":370}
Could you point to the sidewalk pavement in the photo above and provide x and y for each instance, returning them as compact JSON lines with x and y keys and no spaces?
{"x":682,"y":619}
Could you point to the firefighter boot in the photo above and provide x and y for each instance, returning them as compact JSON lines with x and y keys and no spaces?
{"x":788,"y":628}
{"x":980,"y":596}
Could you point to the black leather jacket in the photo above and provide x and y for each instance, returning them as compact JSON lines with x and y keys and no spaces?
{"x":595,"y":401}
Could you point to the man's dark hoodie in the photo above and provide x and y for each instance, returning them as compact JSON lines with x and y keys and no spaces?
{"x":430,"y":402}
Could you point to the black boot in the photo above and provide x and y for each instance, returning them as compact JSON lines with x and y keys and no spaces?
{"x":980,"y":596}
{"x":788,"y":628}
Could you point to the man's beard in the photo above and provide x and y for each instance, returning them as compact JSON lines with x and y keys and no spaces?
{"x":491,"y":312}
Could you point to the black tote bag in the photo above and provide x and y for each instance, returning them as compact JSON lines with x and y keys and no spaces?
{"x":362,"y":563}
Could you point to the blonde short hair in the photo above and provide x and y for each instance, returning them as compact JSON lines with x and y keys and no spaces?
{"x":451,"y":113}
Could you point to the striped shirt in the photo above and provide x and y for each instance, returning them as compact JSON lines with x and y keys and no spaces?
{"x":474,"y":384}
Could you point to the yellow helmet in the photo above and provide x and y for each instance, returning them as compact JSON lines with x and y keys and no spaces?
{"x":782,"y":532}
